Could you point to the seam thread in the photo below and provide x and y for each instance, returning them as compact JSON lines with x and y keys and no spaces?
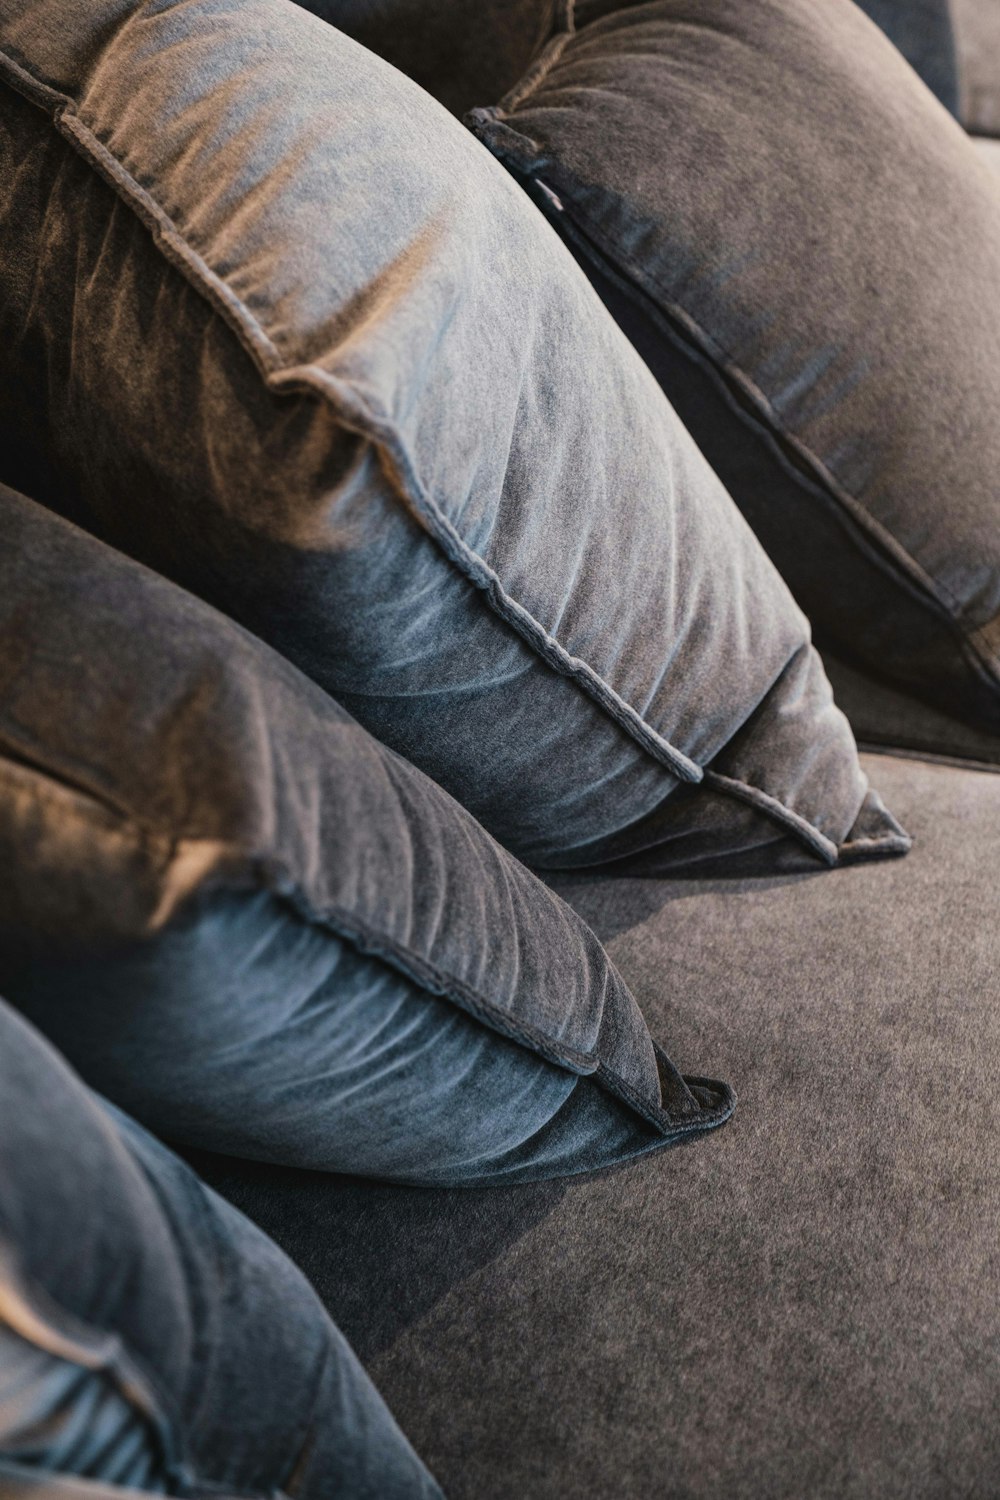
{"x":495,"y":130}
{"x":357,"y":416}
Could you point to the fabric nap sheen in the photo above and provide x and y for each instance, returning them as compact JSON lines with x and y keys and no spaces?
{"x":261,"y":932}
{"x":806,"y":250}
{"x":276,"y":325}
{"x":153,"y":1340}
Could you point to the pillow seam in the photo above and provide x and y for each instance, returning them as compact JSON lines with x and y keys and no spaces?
{"x":355,"y":416}
{"x":233,"y":862}
{"x":721,"y":358}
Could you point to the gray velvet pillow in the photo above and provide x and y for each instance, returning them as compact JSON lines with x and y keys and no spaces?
{"x":806,"y":250}
{"x":276,"y":324}
{"x":152,"y":1341}
{"x":924,"y":32}
{"x":262,"y":933}
{"x":977,"y":36}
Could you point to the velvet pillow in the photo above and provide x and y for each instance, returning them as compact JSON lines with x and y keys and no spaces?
{"x":150,"y":1336}
{"x":274,"y":323}
{"x":977,"y":37}
{"x":806,"y":251}
{"x":262,"y":933}
{"x":923,"y":31}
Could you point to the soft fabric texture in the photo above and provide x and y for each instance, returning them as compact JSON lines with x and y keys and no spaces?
{"x":923,"y":30}
{"x":260,"y":931}
{"x":883,"y":717}
{"x":460,"y":51}
{"x":151,"y":1337}
{"x":806,"y":251}
{"x":977,"y":36}
{"x":275,"y":324}
{"x":808,"y":1303}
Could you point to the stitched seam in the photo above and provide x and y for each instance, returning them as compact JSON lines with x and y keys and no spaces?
{"x":935,"y":588}
{"x":357,"y":416}
{"x":233,"y":863}
{"x":980,"y":656}
{"x":545,"y":61}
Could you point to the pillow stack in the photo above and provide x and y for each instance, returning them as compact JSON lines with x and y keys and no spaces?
{"x":277,"y":326}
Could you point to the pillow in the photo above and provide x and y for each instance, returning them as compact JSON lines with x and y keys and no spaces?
{"x":977,"y":37}
{"x":924,"y":33}
{"x":150,"y":1335}
{"x":455,"y":49}
{"x":261,"y":932}
{"x":806,"y":251}
{"x":273,"y":323}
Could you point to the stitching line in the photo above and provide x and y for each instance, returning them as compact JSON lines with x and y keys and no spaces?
{"x":356,"y":416}
{"x":497,"y":132}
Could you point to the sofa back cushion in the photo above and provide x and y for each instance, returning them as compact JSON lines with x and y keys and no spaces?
{"x":275,"y":324}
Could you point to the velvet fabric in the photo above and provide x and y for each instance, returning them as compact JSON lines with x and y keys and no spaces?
{"x":806,"y":1303}
{"x":768,"y":198}
{"x":260,"y":931}
{"x":275,"y":324}
{"x":923,"y":31}
{"x":460,"y":51}
{"x":151,"y":1338}
{"x":977,"y":36}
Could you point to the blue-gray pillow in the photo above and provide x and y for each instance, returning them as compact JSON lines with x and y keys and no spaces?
{"x":150,"y":1335}
{"x":806,"y":250}
{"x":924,"y":32}
{"x":262,"y":933}
{"x":275,"y":324}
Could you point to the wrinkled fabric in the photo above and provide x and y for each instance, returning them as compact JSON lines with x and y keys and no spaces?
{"x":807,"y":252}
{"x":151,"y":1337}
{"x":263,"y":933}
{"x":276,"y":325}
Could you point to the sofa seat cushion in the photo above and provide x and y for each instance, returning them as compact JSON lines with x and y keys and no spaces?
{"x":272,"y":322}
{"x":806,"y":1304}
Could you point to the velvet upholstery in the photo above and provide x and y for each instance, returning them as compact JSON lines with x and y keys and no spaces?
{"x":923,"y":31}
{"x":261,"y":932}
{"x":768,"y":199}
{"x":150,"y":1336}
{"x":804,"y":1304}
{"x":356,"y":422}
{"x":977,"y":35}
{"x":460,"y":51}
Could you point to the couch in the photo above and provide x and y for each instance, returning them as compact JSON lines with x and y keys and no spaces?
{"x":802,"y":1303}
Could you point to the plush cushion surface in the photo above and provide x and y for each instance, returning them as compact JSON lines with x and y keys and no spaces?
{"x":769,"y":200}
{"x":392,"y":431}
{"x":259,"y":930}
{"x":923,"y":30}
{"x":977,"y":35}
{"x":151,"y":1336}
{"x":806,"y":1303}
